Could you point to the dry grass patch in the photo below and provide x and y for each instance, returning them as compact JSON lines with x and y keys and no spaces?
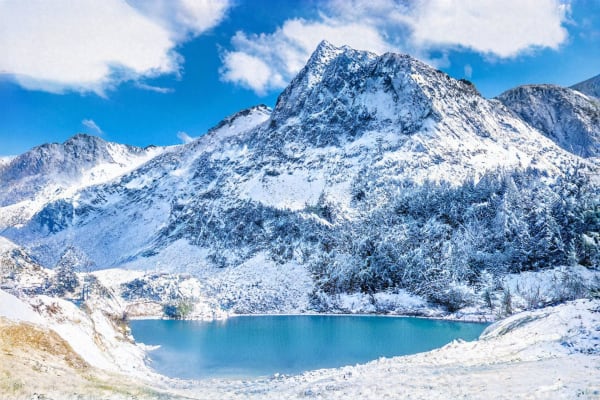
{"x":28,"y":337}
{"x":38,"y":363}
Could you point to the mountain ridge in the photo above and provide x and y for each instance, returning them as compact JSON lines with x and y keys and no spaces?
{"x":570,"y":119}
{"x":590,"y":87}
{"x":336,"y":190}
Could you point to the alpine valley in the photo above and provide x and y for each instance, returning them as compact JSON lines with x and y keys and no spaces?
{"x":377,"y":184}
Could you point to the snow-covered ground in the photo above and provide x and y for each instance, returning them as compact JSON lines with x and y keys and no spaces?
{"x":550,"y":353}
{"x":553,"y":353}
{"x":99,"y":339}
{"x":16,"y":310}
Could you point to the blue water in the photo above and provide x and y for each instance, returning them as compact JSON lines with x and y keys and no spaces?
{"x":263,"y":345}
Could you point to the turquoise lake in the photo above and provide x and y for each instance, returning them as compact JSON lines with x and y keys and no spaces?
{"x":251,"y":346}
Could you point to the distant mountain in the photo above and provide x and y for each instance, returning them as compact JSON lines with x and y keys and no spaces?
{"x":54,"y":170}
{"x":591,"y":87}
{"x":372,"y":173}
{"x":563,"y":115}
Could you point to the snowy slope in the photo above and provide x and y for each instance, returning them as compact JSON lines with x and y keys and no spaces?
{"x":4,"y":160}
{"x":122,"y":218}
{"x":53,"y":171}
{"x":348,"y":114}
{"x":28,"y":293}
{"x":591,"y":87}
{"x":17,"y":310}
{"x":18,"y":272}
{"x":570,"y":119}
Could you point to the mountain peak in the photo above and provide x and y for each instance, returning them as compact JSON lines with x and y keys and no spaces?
{"x":590,"y":87}
{"x":246,"y":118}
{"x":351,"y":91}
{"x":564,"y":115}
{"x":325,"y":52}
{"x":327,"y":59}
{"x":76,"y":161}
{"x":84,"y":137}
{"x":260,"y":109}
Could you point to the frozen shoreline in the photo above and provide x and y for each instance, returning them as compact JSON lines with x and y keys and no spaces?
{"x":472,"y":318}
{"x":218,"y":297}
{"x":552,"y":352}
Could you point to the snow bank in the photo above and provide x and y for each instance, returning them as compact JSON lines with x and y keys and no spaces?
{"x":17,"y":310}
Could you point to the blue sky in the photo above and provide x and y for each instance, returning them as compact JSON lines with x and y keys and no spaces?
{"x":147,"y":72}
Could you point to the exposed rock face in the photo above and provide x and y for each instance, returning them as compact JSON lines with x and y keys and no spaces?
{"x":564,"y":115}
{"x":81,"y":160}
{"x":590,"y":87}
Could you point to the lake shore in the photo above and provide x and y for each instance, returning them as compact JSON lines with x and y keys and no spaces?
{"x":248,"y":347}
{"x":548,"y":353}
{"x":553,"y":352}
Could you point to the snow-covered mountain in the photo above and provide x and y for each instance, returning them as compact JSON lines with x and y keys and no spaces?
{"x":52,"y":171}
{"x":591,"y":87}
{"x":372,"y":173}
{"x":570,"y":119}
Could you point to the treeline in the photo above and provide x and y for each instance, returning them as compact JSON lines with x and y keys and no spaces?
{"x":436,"y":240}
{"x":444,"y":242}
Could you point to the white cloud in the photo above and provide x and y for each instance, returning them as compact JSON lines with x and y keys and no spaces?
{"x":267,"y":61}
{"x":184,"y":18}
{"x":89,"y":45}
{"x":184,"y":137}
{"x":89,"y":123}
{"x":250,"y":71}
{"x":468,"y":71}
{"x":200,"y":15}
{"x":152,"y":88}
{"x":502,"y":28}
